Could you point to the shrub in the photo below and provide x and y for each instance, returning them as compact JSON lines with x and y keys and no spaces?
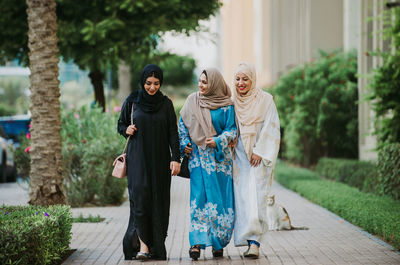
{"x":359,"y":174}
{"x":22,"y":158}
{"x":318,"y":110}
{"x":377,"y":215}
{"x":90,"y":143}
{"x":34,"y":234}
{"x":389,"y":170}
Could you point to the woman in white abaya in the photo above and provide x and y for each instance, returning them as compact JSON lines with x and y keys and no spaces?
{"x":256,"y":152}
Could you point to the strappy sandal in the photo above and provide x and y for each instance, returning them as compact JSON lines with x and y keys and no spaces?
{"x":142,"y":256}
{"x":217,"y":253}
{"x":194,"y":252}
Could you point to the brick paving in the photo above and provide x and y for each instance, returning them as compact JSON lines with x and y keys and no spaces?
{"x":329,"y":240}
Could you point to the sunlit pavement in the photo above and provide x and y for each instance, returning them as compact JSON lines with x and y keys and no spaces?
{"x":329,"y":240}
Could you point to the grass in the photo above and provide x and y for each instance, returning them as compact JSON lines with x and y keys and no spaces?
{"x":89,"y":219}
{"x":377,"y":215}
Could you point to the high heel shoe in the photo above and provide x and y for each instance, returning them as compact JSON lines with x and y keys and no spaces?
{"x":194,"y":252}
{"x":142,"y":256}
{"x":217,"y":253}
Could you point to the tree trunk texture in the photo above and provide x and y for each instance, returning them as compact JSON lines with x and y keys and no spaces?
{"x":96,"y":77}
{"x":46,"y":153}
{"x":124,"y":81}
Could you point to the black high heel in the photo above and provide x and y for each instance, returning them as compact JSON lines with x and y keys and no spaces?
{"x":217,"y":253}
{"x":194,"y":252}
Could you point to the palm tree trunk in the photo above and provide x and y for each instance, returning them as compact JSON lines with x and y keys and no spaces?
{"x":46,"y":155}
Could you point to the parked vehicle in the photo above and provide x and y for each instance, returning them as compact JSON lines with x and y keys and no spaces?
{"x":11,"y":128}
{"x":7,"y":166}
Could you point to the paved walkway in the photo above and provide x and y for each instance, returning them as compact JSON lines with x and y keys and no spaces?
{"x":330,"y":239}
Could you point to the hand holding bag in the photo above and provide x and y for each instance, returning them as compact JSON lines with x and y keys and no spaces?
{"x":119,"y":164}
{"x":185,"y":173}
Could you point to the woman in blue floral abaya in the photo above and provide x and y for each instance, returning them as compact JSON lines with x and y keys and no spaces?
{"x":206,"y":127}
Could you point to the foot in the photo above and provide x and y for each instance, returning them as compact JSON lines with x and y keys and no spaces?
{"x":218,"y":253}
{"x":142,"y":256}
{"x":194,"y":252}
{"x":252,"y":252}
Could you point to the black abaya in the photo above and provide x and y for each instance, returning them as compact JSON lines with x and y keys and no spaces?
{"x":150,"y":150}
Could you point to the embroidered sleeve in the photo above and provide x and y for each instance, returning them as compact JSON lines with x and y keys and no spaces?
{"x":184,"y":137}
{"x":228,"y":134}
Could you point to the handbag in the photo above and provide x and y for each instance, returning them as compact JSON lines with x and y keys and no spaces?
{"x":119,"y":164}
{"x":185,"y":173}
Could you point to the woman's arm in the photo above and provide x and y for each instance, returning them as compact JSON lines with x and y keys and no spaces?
{"x":267,"y":145}
{"x":124,"y":118}
{"x":173,"y":133}
{"x":184,"y":138}
{"x":229,"y":133}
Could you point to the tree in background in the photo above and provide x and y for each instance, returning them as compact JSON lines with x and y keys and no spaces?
{"x":99,"y":34}
{"x":45,"y":152}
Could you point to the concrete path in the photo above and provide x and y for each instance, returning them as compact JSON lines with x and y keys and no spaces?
{"x":330,"y":239}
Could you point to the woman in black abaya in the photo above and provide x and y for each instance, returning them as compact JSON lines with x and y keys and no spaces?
{"x":152,"y":155}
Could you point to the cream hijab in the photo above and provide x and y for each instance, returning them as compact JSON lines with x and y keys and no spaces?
{"x":195,"y":112}
{"x":250,"y":108}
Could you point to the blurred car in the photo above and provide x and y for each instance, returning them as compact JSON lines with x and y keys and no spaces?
{"x":7,"y":166}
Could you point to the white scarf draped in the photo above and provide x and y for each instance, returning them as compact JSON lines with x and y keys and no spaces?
{"x":250,"y":108}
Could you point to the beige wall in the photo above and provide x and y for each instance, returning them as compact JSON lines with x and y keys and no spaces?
{"x":275,"y":35}
{"x":236,"y":35}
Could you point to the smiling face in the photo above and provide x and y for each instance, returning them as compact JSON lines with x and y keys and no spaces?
{"x":203,"y":83}
{"x":152,"y":85}
{"x":242,"y":83}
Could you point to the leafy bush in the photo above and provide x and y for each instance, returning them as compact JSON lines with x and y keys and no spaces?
{"x":389,"y":170}
{"x":377,"y":215}
{"x":359,"y":174}
{"x":90,"y":143}
{"x":34,"y":234}
{"x":317,"y":107}
{"x":22,"y":158}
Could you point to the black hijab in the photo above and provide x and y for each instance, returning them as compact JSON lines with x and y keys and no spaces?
{"x":144,"y":101}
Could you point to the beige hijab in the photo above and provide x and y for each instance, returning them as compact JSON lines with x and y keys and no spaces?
{"x":195,"y":112}
{"x":250,"y":108}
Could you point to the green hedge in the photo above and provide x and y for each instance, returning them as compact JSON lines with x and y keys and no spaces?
{"x":359,"y":174}
{"x":34,"y":234}
{"x":377,"y":215}
{"x":389,"y":170}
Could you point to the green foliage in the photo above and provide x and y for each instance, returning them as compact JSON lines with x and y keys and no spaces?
{"x":89,"y":219}
{"x":377,"y":215}
{"x":389,"y":170}
{"x":34,"y":234}
{"x":13,"y":31}
{"x":317,"y":105}
{"x":97,"y":34}
{"x":22,"y":158}
{"x":90,"y":143}
{"x":359,"y":174}
{"x":386,"y":82}
{"x":178,"y":70}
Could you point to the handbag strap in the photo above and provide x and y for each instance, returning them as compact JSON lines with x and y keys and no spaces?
{"x":127,"y":140}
